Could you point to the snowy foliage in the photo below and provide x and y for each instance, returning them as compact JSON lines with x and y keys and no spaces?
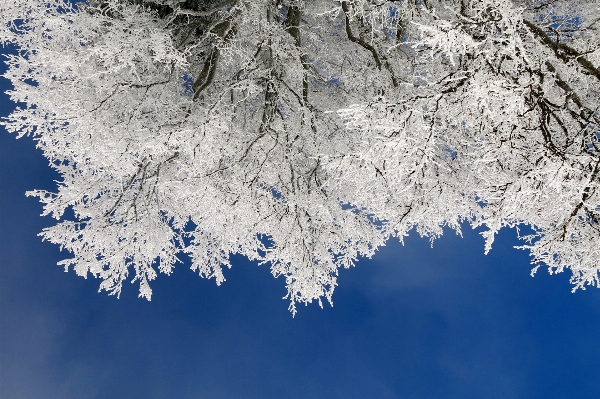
{"x":305,"y":134}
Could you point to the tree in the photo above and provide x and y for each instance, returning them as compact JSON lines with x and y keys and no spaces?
{"x":305,"y":134}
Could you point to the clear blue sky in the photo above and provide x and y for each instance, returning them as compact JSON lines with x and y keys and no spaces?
{"x":414,"y":322}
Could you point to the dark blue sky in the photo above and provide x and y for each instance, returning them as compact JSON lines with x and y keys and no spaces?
{"x":414,"y":322}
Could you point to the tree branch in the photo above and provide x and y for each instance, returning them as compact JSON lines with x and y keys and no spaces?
{"x":563,"y":51}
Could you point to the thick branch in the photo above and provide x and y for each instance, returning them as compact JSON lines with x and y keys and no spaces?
{"x":293,"y":23}
{"x":563,"y":51}
{"x":367,"y":46}
{"x":358,"y":40}
{"x":226,"y":31}
{"x":207,"y":74}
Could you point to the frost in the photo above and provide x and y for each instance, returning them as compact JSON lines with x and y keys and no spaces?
{"x":304,"y":135}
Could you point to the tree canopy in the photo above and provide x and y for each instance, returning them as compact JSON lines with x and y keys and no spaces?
{"x":305,"y":134}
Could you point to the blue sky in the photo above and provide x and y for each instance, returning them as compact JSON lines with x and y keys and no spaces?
{"x":413,"y":322}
